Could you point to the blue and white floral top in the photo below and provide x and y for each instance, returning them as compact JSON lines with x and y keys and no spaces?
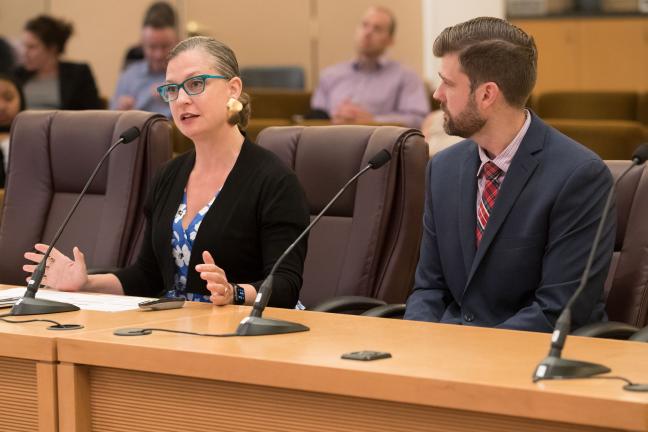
{"x":181,"y":245}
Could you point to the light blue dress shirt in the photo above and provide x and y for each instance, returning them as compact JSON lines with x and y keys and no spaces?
{"x":138,"y":82}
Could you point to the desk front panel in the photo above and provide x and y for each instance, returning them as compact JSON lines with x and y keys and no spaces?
{"x":28,"y":359}
{"x":439,"y":373}
{"x":129,"y":401}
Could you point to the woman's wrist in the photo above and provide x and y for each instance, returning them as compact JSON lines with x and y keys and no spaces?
{"x":106,"y":283}
{"x":90,"y":282}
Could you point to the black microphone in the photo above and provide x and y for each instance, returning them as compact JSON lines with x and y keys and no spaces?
{"x":553,"y":366}
{"x":255,"y":325}
{"x":28,"y":304}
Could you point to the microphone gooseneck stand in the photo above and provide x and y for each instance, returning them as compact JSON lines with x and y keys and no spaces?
{"x":29,"y":304}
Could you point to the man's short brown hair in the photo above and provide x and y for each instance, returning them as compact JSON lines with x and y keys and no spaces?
{"x":491,"y":49}
{"x":392,"y":18}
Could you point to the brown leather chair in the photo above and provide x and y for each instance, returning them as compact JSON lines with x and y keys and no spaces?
{"x":588,"y":105}
{"x":626,"y":287}
{"x":52,"y":155}
{"x":611,"y":124}
{"x":278,"y":104}
{"x":179,"y":142}
{"x":367,"y":243}
{"x":640,"y":336}
{"x":610,"y":139}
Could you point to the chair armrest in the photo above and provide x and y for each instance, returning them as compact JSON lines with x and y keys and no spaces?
{"x":348,"y":304}
{"x":607,"y":330}
{"x":387,"y":311}
{"x":640,"y":336}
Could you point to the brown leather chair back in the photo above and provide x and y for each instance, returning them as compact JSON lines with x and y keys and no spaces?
{"x":610,"y":139}
{"x":278,"y":104}
{"x":590,"y":105}
{"x":367,"y":243}
{"x":52,"y":156}
{"x":627,"y":282}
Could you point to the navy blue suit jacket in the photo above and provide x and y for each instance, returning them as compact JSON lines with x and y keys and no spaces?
{"x":535,"y":245}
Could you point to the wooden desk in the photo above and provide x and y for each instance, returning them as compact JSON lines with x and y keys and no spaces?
{"x":441,"y":378}
{"x":28,"y":358}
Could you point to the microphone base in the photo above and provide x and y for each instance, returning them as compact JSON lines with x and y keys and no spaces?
{"x":35,"y":306}
{"x":559,"y":368}
{"x":255,"y":326}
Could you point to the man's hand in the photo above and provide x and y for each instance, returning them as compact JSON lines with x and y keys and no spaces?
{"x":125,"y":103}
{"x":351,"y":113}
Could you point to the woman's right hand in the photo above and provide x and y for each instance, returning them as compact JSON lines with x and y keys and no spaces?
{"x":61,"y":273}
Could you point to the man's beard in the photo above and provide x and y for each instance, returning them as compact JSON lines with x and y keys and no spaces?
{"x":466,"y":124}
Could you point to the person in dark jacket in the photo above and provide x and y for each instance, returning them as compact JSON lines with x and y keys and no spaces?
{"x":511,"y":211}
{"x":11,"y":103}
{"x":218,"y":216}
{"x":48,"y":82}
{"x":7,"y":57}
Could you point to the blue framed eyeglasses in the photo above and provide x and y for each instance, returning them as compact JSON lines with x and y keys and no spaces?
{"x":192,"y":86}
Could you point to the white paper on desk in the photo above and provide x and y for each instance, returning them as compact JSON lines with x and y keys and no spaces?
{"x":96,"y":302}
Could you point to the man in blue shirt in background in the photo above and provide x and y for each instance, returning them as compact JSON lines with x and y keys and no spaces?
{"x":136,"y":88}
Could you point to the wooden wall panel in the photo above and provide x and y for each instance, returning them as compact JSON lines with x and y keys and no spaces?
{"x":590,"y":54}
{"x":614,"y":54}
{"x":558,"y":43}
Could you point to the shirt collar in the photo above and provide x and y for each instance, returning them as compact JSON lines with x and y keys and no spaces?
{"x":503,"y":160}
{"x":149,"y":72}
{"x":380,"y":63}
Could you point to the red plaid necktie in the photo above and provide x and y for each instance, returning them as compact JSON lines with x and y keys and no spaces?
{"x":491,"y":185}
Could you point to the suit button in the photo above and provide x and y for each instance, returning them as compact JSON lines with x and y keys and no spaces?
{"x":469,"y":317}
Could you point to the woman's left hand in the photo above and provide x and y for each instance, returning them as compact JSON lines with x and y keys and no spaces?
{"x":221,"y":290}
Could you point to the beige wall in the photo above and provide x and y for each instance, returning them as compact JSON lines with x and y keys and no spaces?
{"x":14,"y":13}
{"x":437,"y":15}
{"x":308,"y":33}
{"x":261,"y":32}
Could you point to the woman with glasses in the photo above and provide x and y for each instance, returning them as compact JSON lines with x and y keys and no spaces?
{"x":218,"y":216}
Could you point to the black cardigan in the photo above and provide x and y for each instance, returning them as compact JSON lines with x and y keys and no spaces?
{"x":260,"y":210}
{"x":78,"y":89}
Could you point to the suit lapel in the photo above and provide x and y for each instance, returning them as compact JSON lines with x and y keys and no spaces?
{"x":522,"y":167}
{"x":467,"y":210}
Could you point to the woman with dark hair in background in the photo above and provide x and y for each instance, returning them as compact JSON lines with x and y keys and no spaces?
{"x":11,"y":103}
{"x":47,"y":82}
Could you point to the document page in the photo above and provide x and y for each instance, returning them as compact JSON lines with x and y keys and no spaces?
{"x":86,"y":301}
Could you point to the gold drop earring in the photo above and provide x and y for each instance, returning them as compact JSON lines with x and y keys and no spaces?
{"x":234,"y":106}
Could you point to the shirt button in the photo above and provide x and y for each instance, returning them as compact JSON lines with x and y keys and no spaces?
{"x":469,"y":317}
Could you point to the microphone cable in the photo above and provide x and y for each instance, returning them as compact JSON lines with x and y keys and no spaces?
{"x":55,"y":324}
{"x":629,"y":386}
{"x":148,"y":331}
